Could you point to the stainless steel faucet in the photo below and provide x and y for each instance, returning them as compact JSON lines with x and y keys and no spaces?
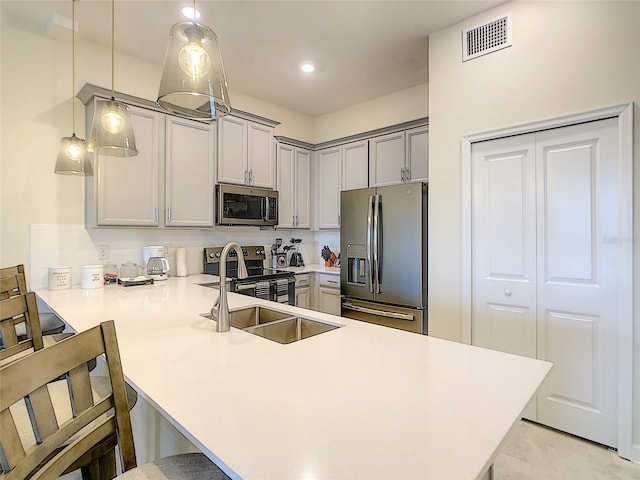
{"x":222,"y":314}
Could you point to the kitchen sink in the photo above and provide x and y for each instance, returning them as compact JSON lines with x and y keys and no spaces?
{"x":275,"y":325}
{"x":289,"y":330}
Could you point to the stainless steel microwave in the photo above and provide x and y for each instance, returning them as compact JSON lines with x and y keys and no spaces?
{"x":244,"y":205}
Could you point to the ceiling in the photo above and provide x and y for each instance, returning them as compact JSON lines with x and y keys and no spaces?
{"x":362,"y":49}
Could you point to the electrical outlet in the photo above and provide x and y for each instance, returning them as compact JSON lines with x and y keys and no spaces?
{"x":103,"y":252}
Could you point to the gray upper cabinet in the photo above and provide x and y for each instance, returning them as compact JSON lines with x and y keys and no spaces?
{"x":189,"y":173}
{"x":245,"y":152}
{"x":125,"y":191}
{"x":294,"y":184}
{"x":169,"y":183}
{"x":399,"y":157}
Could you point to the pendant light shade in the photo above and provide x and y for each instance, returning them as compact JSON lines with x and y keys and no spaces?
{"x":112,"y":130}
{"x":111,"y":127}
{"x":193,"y":82}
{"x":73,"y":158}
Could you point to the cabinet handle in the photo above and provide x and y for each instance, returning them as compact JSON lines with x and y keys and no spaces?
{"x":402,"y":179}
{"x":169,"y":214}
{"x":157,"y":214}
{"x":507,"y":292}
{"x":339,"y":220}
{"x":408,"y":174}
{"x":250,"y":176}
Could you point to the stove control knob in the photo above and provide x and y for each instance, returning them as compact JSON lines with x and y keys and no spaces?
{"x":212,"y":255}
{"x":259,"y":251}
{"x":217,"y":254}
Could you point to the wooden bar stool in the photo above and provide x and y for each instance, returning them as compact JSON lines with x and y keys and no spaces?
{"x":90,"y":420}
{"x":22,"y":311}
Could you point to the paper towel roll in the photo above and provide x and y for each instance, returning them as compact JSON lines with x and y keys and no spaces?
{"x":181,"y":262}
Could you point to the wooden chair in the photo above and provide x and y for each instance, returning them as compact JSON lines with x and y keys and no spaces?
{"x":56,"y":443}
{"x":13,"y":281}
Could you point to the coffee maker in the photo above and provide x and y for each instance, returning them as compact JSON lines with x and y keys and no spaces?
{"x":156,"y":265}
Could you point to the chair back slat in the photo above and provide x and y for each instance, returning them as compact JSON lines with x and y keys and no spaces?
{"x":91,"y":421}
{"x":10,"y":444}
{"x":13,"y":311}
{"x":80,"y":389}
{"x":41,"y":413}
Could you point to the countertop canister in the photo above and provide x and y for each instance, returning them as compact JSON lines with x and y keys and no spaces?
{"x":92,"y":276}
{"x":59,"y":278}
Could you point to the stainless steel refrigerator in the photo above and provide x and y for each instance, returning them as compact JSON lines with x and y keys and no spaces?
{"x":383,"y":250}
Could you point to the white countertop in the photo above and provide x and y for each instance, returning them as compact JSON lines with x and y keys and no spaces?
{"x":358,"y":402}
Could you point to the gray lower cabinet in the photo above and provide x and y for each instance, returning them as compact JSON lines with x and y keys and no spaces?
{"x":303,"y":290}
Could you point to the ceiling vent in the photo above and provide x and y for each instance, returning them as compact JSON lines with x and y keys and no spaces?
{"x":486,"y":38}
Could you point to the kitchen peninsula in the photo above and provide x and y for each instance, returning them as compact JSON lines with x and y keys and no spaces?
{"x":358,"y":402}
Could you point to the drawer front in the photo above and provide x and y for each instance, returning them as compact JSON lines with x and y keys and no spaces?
{"x":327,"y":280}
{"x":303,"y":280}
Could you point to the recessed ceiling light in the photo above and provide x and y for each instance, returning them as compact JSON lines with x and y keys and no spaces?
{"x":307,"y":67}
{"x":188,"y":13}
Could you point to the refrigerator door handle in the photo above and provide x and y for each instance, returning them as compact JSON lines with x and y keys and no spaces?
{"x":379,"y":313}
{"x":376,"y":242}
{"x":369,"y":266}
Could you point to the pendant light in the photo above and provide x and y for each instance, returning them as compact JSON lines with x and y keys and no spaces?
{"x":193,"y":82}
{"x":73,"y":158}
{"x":112,"y":130}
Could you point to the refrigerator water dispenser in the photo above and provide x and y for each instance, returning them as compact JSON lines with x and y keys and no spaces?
{"x":357,"y":264}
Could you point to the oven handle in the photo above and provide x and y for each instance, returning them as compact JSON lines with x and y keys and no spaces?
{"x":245,"y":286}
{"x":379,"y":313}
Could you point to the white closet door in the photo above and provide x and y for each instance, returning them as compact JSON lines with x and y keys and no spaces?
{"x":504,"y":250}
{"x":545,"y":266}
{"x":577,"y":278}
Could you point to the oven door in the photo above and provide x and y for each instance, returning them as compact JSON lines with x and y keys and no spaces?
{"x":239,"y":205}
{"x":276,"y":290}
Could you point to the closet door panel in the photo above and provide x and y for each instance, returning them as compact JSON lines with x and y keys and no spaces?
{"x":577,"y":272}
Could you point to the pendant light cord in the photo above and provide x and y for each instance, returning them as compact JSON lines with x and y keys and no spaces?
{"x":113,"y":61}
{"x":73,"y":65}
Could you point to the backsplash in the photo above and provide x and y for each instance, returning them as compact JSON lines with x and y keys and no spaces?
{"x":55,"y":245}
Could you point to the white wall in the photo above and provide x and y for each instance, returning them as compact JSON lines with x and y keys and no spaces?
{"x":566,"y":57}
{"x":398,"y":107}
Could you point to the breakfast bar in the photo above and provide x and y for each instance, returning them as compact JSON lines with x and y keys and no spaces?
{"x":360,"y":401}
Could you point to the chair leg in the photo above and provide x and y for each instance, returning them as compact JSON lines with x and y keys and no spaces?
{"x":102,"y":468}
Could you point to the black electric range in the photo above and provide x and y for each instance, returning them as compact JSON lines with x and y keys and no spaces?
{"x":275,"y":285}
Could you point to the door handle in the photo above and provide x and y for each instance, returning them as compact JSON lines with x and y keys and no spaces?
{"x":369,"y":265}
{"x":376,"y":242}
{"x":379,"y":313}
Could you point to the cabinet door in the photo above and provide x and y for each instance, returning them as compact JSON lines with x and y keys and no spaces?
{"x":355,"y":165}
{"x":189,"y":181}
{"x":232,"y":150}
{"x":329,"y":300}
{"x":127,"y":188}
{"x":303,"y":297}
{"x":260,"y":155}
{"x":386,"y":159}
{"x":285,"y":183}
{"x":302,"y":188}
{"x":329,"y":168}
{"x":418,"y":154}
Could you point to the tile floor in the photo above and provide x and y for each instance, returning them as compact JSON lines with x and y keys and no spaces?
{"x":535,"y":452}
